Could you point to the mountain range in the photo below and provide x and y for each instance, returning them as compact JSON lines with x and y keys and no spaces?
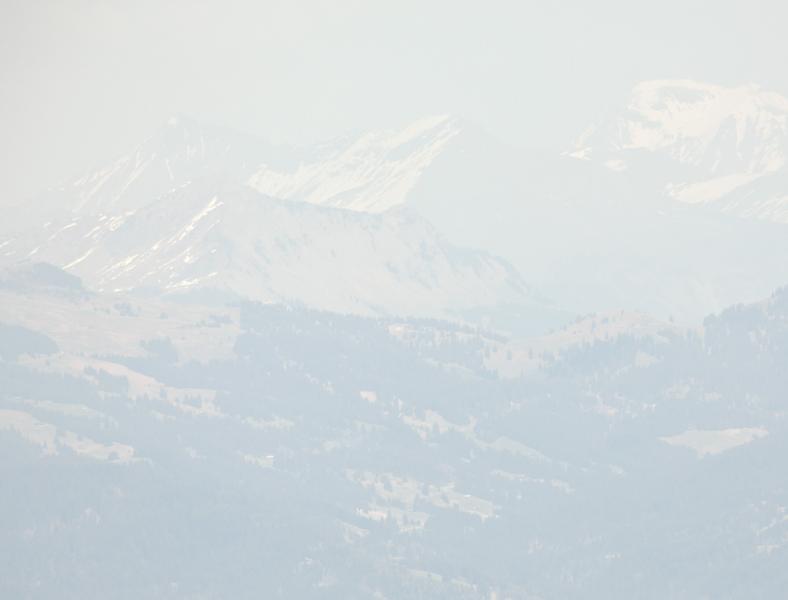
{"x":621,"y":220}
{"x":417,"y":363}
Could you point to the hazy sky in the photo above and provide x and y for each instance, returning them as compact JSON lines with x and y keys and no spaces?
{"x":83,"y":80}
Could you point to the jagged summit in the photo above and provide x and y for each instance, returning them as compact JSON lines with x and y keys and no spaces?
{"x":707,"y":126}
{"x":181,"y":151}
{"x":703,"y":143}
{"x":196,"y":209}
{"x":372,"y":172}
{"x":369,"y":172}
{"x":571,"y":227}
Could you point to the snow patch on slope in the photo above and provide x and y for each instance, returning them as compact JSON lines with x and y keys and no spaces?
{"x":709,"y":442}
{"x":372,"y":173}
{"x":705,"y":142}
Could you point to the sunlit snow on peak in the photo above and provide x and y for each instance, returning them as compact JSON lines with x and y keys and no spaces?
{"x":371,"y":173}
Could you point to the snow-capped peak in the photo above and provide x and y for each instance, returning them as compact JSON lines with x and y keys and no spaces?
{"x":706,"y":142}
{"x":371,"y":173}
{"x":181,"y":151}
{"x":698,"y":124}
